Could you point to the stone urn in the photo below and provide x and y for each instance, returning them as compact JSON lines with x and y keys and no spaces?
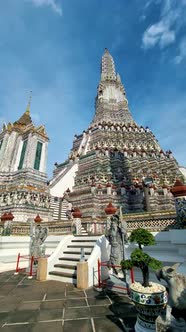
{"x":110,"y":209}
{"x":150,"y":302}
{"x":76,"y":213}
{"x":37,"y":219}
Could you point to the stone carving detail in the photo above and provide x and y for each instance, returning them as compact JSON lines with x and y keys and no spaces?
{"x":25,"y":198}
{"x":181,"y":208}
{"x":154,"y":224}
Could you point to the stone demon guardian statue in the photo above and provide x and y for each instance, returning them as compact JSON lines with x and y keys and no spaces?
{"x":116,"y":236}
{"x":37,"y":249}
{"x":176,"y":309}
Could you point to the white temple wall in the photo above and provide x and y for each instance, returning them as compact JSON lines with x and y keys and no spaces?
{"x":8,"y":152}
{"x":67,"y":181}
{"x":42,"y":167}
{"x":3,"y":148}
{"x":10,"y":246}
{"x":30,"y":151}
{"x":17,"y":154}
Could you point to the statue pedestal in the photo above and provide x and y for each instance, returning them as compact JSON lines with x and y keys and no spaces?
{"x":82,"y":275}
{"x":42,"y":269}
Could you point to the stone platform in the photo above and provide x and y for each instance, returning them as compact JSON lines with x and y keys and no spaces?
{"x":30,"y":305}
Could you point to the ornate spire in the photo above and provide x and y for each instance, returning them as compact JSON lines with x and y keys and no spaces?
{"x":111,"y":102}
{"x":25,"y":119}
{"x":29,"y":102}
{"x":107,"y":67}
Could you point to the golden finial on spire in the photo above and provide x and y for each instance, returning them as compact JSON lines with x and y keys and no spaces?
{"x":29,"y":102}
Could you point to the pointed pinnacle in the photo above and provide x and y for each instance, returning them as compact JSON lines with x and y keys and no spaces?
{"x":29,"y":102}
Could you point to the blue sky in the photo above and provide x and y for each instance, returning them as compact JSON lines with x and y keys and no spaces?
{"x":54,"y":48}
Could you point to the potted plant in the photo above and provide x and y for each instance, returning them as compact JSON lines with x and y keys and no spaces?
{"x":150,"y":298}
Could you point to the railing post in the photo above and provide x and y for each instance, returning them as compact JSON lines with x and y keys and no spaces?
{"x":17,"y":264}
{"x":99,"y":273}
{"x":31,"y":267}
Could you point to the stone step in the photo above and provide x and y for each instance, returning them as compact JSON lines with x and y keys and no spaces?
{"x":78,"y":249}
{"x":70,"y":256}
{"x":83,"y":240}
{"x":92,"y":236}
{"x":84,"y":246}
{"x":66,"y":266}
{"x":72,"y":259}
{"x":64,"y":270}
{"x":63,"y":274}
{"x":76,"y":252}
{"x":69,"y":263}
{"x":72,"y":281}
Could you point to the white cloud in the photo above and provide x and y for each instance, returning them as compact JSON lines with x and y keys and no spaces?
{"x":182,"y":52}
{"x":51,"y":3}
{"x":163,"y":32}
{"x":158,"y":34}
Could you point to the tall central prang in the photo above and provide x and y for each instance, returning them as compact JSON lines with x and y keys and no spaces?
{"x":111,"y":102}
{"x":115,"y":160}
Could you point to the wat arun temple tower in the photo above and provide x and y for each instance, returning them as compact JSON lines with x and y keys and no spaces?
{"x":114,"y":159}
{"x":23,"y":180}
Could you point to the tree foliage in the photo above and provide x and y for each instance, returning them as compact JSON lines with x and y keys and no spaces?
{"x":142,"y":237}
{"x":139,"y":258}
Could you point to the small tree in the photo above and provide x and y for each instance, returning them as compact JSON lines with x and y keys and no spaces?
{"x":142,"y":237}
{"x":139,"y":258}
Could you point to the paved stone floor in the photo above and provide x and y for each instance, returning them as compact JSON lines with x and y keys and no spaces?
{"x":30,"y":305}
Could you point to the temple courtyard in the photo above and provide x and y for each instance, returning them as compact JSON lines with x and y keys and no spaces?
{"x":30,"y":305}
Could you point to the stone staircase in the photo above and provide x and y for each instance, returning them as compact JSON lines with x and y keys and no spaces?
{"x":65,"y":269}
{"x":83,"y":231}
{"x":63,"y":209}
{"x":54,"y":205}
{"x":59,"y":207}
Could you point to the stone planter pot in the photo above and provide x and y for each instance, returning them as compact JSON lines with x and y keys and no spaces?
{"x":149,"y":304}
